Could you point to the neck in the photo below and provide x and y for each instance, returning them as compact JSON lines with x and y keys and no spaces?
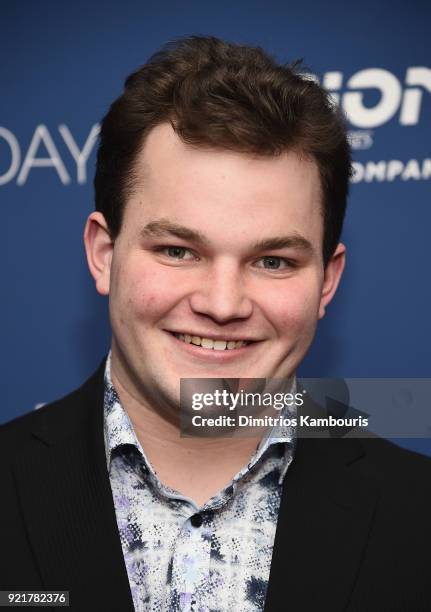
{"x":196,"y":467}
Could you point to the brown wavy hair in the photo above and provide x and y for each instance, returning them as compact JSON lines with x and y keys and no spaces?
{"x":224,"y":96}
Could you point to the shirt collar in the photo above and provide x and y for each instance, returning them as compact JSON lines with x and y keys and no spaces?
{"x":118,"y":430}
{"x":279,"y":434}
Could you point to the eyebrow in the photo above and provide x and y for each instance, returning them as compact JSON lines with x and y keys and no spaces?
{"x":294,"y":241}
{"x":164,"y":227}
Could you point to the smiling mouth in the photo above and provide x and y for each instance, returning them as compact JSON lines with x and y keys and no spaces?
{"x":210,"y":343}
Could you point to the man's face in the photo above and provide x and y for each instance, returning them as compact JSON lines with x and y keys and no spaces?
{"x":221,"y":246}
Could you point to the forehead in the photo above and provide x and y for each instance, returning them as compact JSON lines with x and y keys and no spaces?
{"x":219,"y":190}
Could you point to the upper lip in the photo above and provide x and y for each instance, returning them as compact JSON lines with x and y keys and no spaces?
{"x":213,"y":336}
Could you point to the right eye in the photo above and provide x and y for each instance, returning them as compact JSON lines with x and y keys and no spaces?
{"x":177,"y":252}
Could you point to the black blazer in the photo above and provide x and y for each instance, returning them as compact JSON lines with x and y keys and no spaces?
{"x":353,"y":534}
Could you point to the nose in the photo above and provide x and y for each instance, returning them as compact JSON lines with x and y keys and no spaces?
{"x":221,"y":294}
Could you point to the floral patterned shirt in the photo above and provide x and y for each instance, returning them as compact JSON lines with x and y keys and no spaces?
{"x":181,"y":557}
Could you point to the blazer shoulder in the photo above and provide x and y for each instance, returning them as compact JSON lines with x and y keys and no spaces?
{"x":391,"y":455}
{"x":402,"y":469}
{"x":64,"y":414}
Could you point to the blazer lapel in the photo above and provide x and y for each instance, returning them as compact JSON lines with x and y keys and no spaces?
{"x":325,"y":516}
{"x":67,"y":505}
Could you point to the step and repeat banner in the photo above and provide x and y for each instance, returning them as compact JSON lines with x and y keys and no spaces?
{"x":64,"y":63}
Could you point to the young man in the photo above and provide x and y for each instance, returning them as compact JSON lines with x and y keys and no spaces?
{"x":221,"y":187}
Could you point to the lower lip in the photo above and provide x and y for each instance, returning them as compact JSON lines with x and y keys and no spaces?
{"x":213,"y":354}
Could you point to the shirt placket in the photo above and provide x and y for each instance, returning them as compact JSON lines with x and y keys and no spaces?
{"x":191,"y":566}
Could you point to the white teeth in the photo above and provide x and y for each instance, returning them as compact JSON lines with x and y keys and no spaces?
{"x":220,"y":345}
{"x":209,"y":343}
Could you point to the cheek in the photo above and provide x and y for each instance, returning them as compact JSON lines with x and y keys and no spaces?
{"x":295,"y":307}
{"x":141,"y":293}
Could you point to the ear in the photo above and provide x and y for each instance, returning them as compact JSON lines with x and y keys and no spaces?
{"x":333,"y":272}
{"x":99,"y":249}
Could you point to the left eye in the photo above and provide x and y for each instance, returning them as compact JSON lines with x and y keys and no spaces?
{"x":273,"y":263}
{"x":177,"y":252}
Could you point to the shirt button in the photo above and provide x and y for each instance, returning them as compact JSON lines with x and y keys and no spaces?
{"x":196,"y":520}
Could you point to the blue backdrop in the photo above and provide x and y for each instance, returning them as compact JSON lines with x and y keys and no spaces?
{"x":63,"y":64}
